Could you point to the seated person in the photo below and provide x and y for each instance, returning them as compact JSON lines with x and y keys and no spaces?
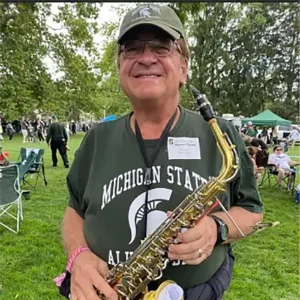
{"x":283,"y":166}
{"x":257,"y":170}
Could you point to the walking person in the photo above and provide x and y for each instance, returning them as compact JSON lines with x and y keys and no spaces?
{"x":293,"y":137}
{"x":58,"y":139}
{"x":10,"y":131}
{"x":24,"y":129}
{"x":40,"y":130}
{"x":73,"y":127}
{"x":1,"y":132}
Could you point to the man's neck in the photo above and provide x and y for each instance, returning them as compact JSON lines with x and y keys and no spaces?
{"x":152,"y":121}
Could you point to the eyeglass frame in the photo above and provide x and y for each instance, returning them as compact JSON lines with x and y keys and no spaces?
{"x":175,"y":43}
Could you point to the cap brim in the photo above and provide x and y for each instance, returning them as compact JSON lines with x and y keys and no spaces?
{"x":175,"y":34}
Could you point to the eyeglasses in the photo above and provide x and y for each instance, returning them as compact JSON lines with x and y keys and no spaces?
{"x":160,"y":47}
{"x":278,"y":149}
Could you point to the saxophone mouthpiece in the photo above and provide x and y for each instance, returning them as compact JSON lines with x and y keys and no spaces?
{"x":194,"y":92}
{"x":204,"y":105}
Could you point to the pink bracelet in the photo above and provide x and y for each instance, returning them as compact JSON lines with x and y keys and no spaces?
{"x":58,"y":280}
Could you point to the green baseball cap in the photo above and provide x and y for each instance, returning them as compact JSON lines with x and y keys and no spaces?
{"x":163,"y":17}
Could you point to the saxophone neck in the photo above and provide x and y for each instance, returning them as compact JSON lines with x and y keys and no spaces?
{"x":227,"y":149}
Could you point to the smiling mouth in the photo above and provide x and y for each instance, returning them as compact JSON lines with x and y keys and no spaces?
{"x":147,"y":76}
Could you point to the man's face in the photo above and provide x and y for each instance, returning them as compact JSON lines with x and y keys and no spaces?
{"x":148,"y":77}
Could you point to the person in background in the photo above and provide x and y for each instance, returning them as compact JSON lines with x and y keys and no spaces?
{"x":1,"y":132}
{"x":293,"y":137}
{"x":40,"y":127}
{"x":73,"y":127}
{"x":67,"y":128}
{"x":250,"y":130}
{"x":275,"y":135}
{"x":255,"y":131}
{"x":264,"y":135}
{"x":282,"y":166}
{"x":31,"y":136}
{"x":24,"y":129}
{"x":57,"y":138}
{"x":10,"y":130}
{"x":257,"y":170}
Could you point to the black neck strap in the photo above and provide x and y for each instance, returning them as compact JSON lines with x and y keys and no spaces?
{"x":160,"y":142}
{"x":149,"y":162}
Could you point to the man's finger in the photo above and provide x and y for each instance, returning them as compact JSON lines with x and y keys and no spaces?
{"x":191,"y":235}
{"x":197,"y":261}
{"x":195,"y":255}
{"x":101,"y":285}
{"x":186,"y":248}
{"x":102,"y":268}
{"x":78,"y":295}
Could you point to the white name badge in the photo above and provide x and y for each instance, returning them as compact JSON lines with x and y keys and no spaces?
{"x":183,"y":148}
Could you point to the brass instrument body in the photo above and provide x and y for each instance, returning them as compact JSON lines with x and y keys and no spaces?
{"x":149,"y":260}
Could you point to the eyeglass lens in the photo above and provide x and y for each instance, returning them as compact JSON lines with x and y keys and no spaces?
{"x":159,"y":47}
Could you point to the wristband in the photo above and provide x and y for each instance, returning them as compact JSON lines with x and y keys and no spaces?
{"x":58,"y":280}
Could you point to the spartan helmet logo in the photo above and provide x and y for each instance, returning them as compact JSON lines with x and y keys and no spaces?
{"x":144,"y":12}
{"x":155,"y":217}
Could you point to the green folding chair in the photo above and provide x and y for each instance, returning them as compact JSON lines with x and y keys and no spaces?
{"x":10,"y":197}
{"x":36,"y":167}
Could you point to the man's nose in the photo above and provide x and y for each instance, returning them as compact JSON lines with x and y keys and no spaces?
{"x":147,"y":58}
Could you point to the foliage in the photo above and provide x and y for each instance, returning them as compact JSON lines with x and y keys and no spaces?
{"x":244,"y":57}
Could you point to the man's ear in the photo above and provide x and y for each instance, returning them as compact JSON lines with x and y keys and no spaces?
{"x":184,"y":70}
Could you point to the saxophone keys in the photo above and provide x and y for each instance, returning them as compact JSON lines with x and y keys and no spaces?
{"x":198,"y":206}
{"x":160,"y":273}
{"x":184,"y":223}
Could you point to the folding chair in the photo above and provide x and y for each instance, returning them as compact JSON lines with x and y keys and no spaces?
{"x":10,"y":195}
{"x":25,"y":165}
{"x":270,"y":172}
{"x":37,"y":166}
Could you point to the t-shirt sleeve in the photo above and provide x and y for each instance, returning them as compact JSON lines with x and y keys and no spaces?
{"x":271,"y":160}
{"x":78,"y":175}
{"x":244,"y":190}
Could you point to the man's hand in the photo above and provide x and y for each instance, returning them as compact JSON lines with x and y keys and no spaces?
{"x":88,"y":271}
{"x":197,"y":243}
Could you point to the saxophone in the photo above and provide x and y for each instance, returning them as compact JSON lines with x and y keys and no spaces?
{"x":146,"y":264}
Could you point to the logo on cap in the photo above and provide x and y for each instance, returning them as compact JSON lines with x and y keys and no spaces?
{"x":145,"y":12}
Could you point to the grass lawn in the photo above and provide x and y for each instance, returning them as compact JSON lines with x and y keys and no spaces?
{"x":267,"y":264}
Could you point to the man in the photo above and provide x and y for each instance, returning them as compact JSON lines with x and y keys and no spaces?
{"x":282,"y":166}
{"x":250,"y":131}
{"x":110,"y":181}
{"x":254,"y":142}
{"x":58,"y":139}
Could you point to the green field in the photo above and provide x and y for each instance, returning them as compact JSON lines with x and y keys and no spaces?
{"x":267,"y":264}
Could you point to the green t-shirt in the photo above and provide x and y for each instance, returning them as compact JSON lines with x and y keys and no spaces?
{"x":251,"y":132}
{"x":106,"y":188}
